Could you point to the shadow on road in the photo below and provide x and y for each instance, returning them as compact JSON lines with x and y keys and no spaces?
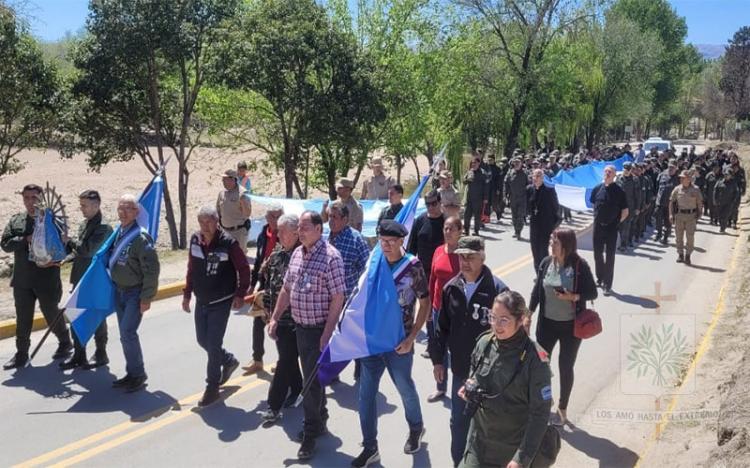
{"x":599,"y":448}
{"x":93,"y":392}
{"x":710,"y":269}
{"x":635,"y":300}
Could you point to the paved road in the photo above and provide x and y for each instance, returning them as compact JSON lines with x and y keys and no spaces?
{"x":50,"y":417}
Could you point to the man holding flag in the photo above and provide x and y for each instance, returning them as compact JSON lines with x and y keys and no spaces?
{"x":134,"y":268}
{"x":411,"y":287}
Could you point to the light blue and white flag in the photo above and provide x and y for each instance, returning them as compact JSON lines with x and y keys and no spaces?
{"x":372,"y":320}
{"x":93,"y":299}
{"x":574,"y":187}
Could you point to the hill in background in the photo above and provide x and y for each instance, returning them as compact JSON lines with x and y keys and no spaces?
{"x":710,"y":51}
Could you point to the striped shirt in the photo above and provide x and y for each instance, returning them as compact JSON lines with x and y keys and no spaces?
{"x":313,"y":277}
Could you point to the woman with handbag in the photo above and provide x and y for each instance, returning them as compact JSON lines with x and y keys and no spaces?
{"x":563,"y":285}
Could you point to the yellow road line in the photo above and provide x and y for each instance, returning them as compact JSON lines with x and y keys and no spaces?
{"x":155,"y":426}
{"x":114,"y":430}
{"x":702,"y":348}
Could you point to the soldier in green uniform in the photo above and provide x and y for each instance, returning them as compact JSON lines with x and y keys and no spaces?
{"x":91,"y":235}
{"x":685,"y":207}
{"x":32,"y":282}
{"x":134,"y":267}
{"x":509,"y":424}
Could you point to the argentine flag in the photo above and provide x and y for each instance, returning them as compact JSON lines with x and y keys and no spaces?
{"x":574,"y":187}
{"x":93,"y":299}
{"x":371,"y":322}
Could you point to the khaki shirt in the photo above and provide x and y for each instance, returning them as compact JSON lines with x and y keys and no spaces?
{"x":229,"y":206}
{"x":356,"y":215}
{"x":689,"y":198}
{"x":376,"y":187}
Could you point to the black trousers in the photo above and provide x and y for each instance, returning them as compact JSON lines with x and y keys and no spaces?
{"x":473,"y":209}
{"x":663,"y":225}
{"x":25,"y":301}
{"x":548,"y":333}
{"x":259,"y":327}
{"x":518,"y":211}
{"x":539,"y":240}
{"x":101,"y":336}
{"x":314,"y":404}
{"x":288,"y":378}
{"x":605,"y":243}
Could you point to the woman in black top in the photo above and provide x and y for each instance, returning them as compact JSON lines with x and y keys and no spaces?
{"x":564,"y":283}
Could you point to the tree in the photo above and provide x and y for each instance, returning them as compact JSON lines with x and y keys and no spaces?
{"x":524,"y":30}
{"x":311,"y":83}
{"x":735,"y":74}
{"x":30,"y":93}
{"x":141,"y":70}
{"x":714,"y":106}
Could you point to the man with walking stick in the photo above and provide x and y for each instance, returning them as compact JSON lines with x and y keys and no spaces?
{"x":32,"y":283}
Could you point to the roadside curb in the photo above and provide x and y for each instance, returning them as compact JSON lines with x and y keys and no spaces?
{"x":8,"y":327}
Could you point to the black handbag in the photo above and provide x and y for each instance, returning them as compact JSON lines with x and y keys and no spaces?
{"x":548,"y":449}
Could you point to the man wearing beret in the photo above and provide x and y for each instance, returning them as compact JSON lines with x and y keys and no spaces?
{"x":411,"y":285}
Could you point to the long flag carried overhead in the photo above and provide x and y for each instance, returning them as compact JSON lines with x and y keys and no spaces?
{"x":93,"y":299}
{"x":372,"y":320}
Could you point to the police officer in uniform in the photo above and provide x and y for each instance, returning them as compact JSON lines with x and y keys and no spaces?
{"x":344,"y":188}
{"x":516,"y":182}
{"x":376,"y":187}
{"x":91,"y":235}
{"x":496,"y":203}
{"x":476,"y":186}
{"x":233,"y":205}
{"x":685,"y":208}
{"x":32,"y":283}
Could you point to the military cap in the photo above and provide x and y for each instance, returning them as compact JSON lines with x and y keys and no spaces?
{"x":344,"y":183}
{"x":470,"y":245}
{"x":391,"y":228}
{"x":627,"y":165}
{"x":90,"y":195}
{"x":685,"y":174}
{"x":672,"y":162}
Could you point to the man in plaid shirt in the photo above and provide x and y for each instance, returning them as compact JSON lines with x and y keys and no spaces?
{"x":350,"y":243}
{"x":314,"y":286}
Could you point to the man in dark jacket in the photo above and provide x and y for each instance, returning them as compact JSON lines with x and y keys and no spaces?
{"x":711,"y":179}
{"x":32,"y":283}
{"x":726,"y":193}
{"x":496,"y":202}
{"x":543,"y":211}
{"x":665,"y":183}
{"x":629,"y":184}
{"x":460,"y":321}
{"x":476,"y":187}
{"x":610,"y":209}
{"x":516,"y":182}
{"x":265,"y":244}
{"x":91,"y":235}
{"x":218,"y":275}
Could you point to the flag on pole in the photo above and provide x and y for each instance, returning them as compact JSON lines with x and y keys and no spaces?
{"x":93,"y":299}
{"x":371,"y":322}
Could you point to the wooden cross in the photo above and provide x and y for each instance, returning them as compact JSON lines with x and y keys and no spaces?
{"x":658,"y":298}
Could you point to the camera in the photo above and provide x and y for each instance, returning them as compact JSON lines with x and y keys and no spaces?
{"x":475,"y":395}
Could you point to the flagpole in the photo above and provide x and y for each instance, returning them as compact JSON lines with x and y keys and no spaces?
{"x":46,"y":334}
{"x":308,"y":384}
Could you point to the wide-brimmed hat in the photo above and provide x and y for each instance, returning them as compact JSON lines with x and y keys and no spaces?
{"x":344,"y":182}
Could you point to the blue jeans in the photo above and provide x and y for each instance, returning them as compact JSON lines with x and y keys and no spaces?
{"x":210,"y":325}
{"x":399,"y":368}
{"x":459,"y":422}
{"x":128,"y":308}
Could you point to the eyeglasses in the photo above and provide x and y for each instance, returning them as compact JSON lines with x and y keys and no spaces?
{"x":502,"y":321}
{"x":383,"y":240}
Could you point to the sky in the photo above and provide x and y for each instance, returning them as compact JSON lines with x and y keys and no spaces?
{"x":709,"y":21}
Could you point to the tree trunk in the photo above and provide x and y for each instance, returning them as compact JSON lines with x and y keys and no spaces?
{"x":398,"y":168}
{"x":515,"y":129}
{"x":169,"y":208}
{"x":414,"y":160}
{"x":182,"y":187}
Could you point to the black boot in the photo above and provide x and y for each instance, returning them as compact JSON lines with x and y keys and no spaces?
{"x":18,"y":360}
{"x":63,"y":350}
{"x":78,"y":360}
{"x":100,"y":359}
{"x":687,"y":260}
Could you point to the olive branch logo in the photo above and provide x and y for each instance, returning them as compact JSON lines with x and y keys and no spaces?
{"x":663,"y":353}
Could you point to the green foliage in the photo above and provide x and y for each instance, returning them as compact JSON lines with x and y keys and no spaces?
{"x":30,"y":93}
{"x":663,"y":354}
{"x":735,"y":76}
